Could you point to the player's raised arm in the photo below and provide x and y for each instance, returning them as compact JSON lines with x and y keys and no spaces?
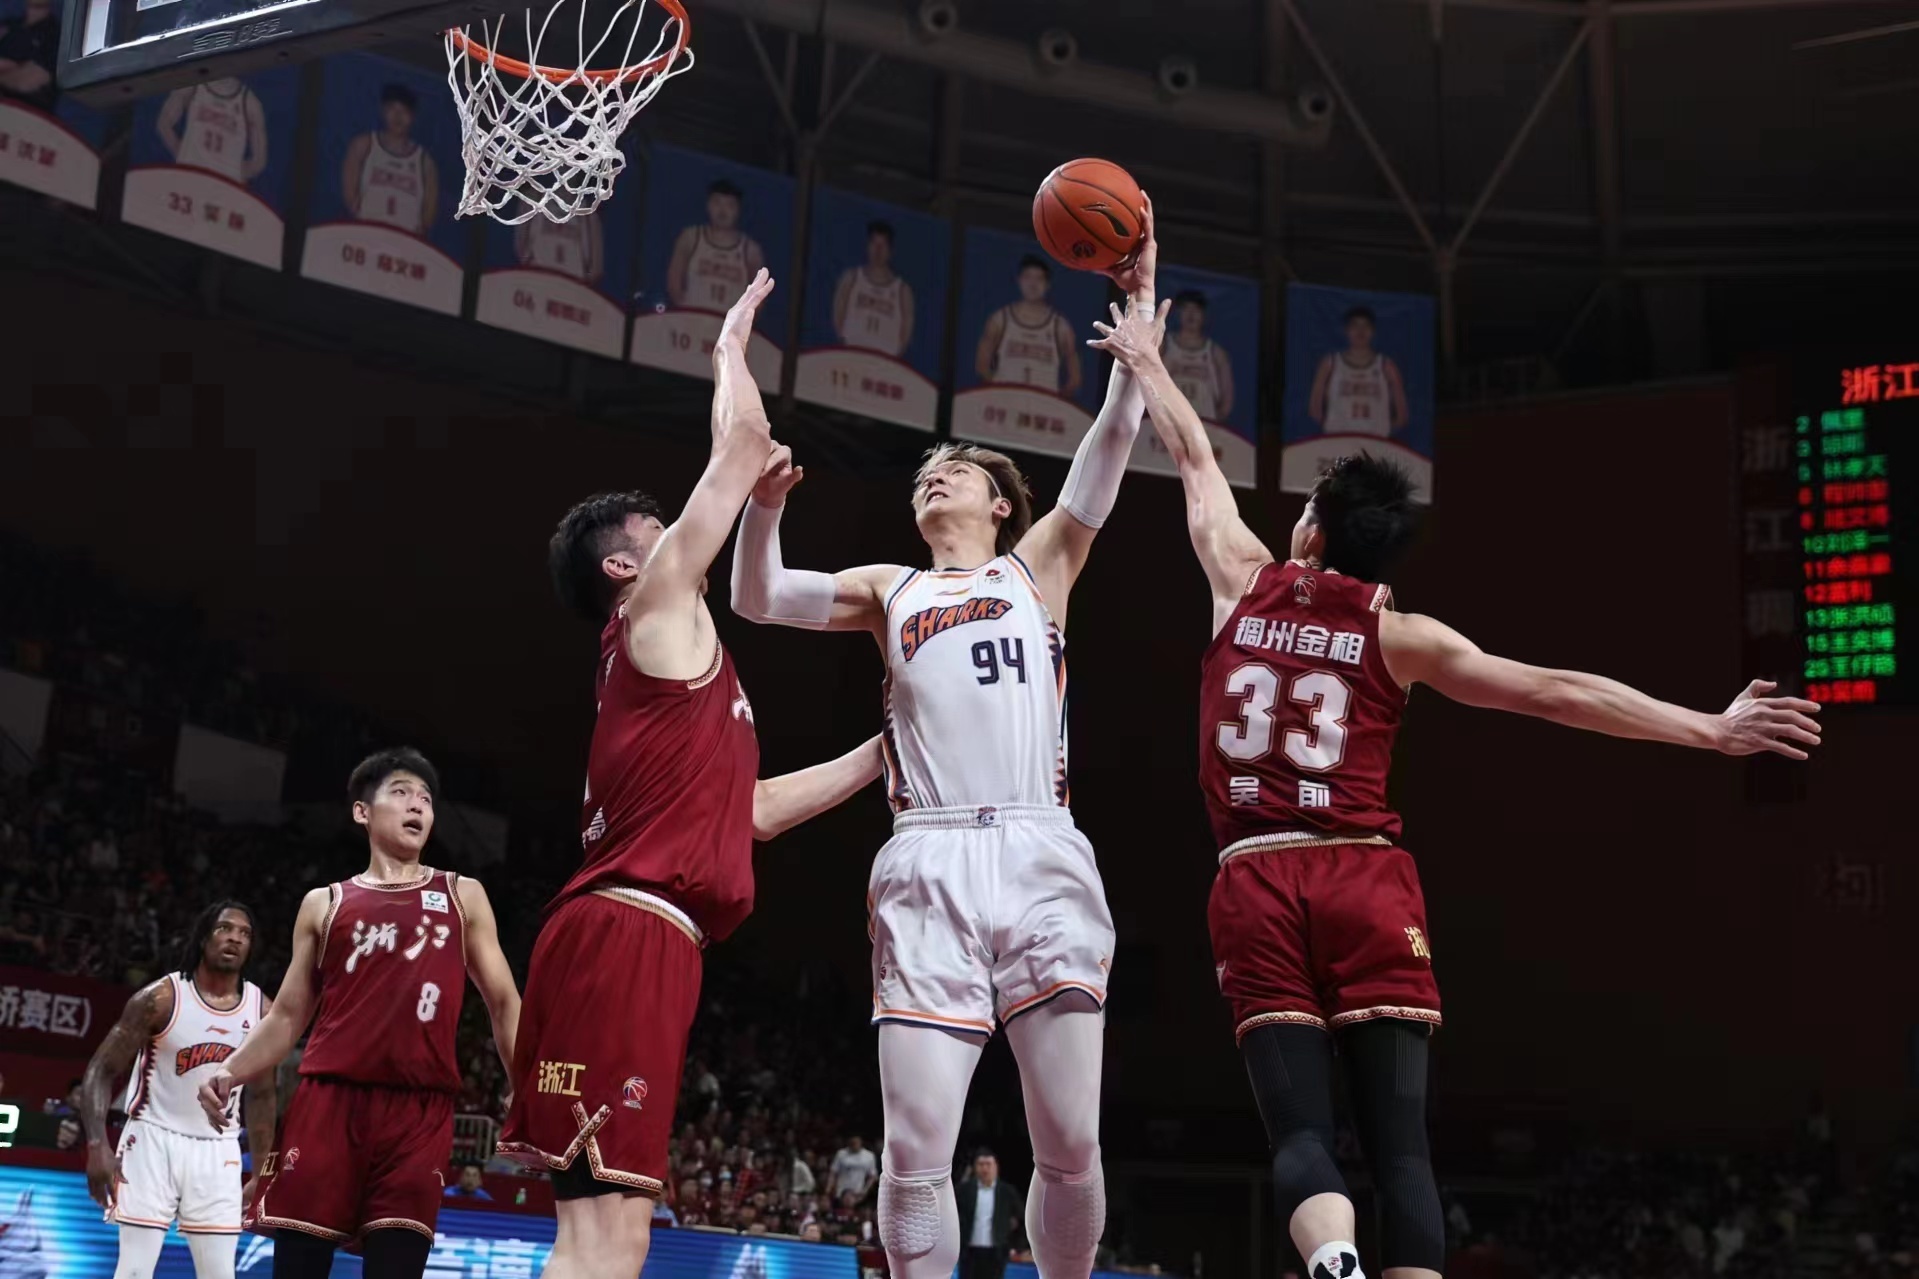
{"x":765,"y":590}
{"x":487,"y":965}
{"x":1421,"y":650}
{"x":284,"y":1023}
{"x":780,"y":803}
{"x":146,"y":1015}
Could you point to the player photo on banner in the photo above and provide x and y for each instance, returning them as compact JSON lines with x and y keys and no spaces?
{"x":1212,"y":351}
{"x":567,"y":282}
{"x":710,"y":225}
{"x":874,"y":312}
{"x":1025,"y":377}
{"x":211,"y":164}
{"x":48,"y":142}
{"x":1359,"y":375}
{"x":389,"y":157}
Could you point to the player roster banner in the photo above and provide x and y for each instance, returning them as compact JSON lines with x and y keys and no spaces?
{"x":710,"y":225}
{"x":382,"y":212}
{"x":566,"y":282}
{"x":211,"y":164}
{"x":1212,"y":351}
{"x":874,"y":320}
{"x":55,"y":153}
{"x":1025,"y":377}
{"x":1359,"y":376}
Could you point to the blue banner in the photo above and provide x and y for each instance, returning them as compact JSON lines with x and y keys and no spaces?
{"x":1359,"y":375}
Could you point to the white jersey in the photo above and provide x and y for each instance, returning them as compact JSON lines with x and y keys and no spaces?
{"x":1357,"y":402}
{"x":392,"y":186}
{"x":975,"y":691}
{"x":876,"y":314}
{"x":213,"y":130}
{"x":1028,"y":356}
{"x":165,"y":1089}
{"x":1195,"y":374}
{"x":716,"y":273}
{"x":565,"y":247}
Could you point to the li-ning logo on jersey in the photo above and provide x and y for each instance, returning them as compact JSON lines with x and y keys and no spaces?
{"x":198,"y":1055}
{"x":928,"y":622}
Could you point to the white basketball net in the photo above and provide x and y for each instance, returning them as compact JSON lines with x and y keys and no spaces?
{"x":544,"y":141}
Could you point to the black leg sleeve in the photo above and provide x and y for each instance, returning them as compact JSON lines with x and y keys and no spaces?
{"x":298,"y":1256}
{"x":1291,"y":1069}
{"x":397,"y":1253}
{"x":1386,"y":1063}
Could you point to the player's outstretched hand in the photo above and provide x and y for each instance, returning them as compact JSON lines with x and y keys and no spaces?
{"x":1134,"y":273}
{"x":103,"y":1174}
{"x":1756,"y":722}
{"x":739,"y":319}
{"x":214,"y":1095}
{"x":1132,"y":339}
{"x":777,"y":477}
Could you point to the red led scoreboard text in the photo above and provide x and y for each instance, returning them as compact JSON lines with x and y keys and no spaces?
{"x":1846,"y":519}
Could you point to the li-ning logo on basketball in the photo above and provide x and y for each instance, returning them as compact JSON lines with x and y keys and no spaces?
{"x":1104,"y":210}
{"x":633,"y":1092}
{"x":1303,"y":588}
{"x":928,"y":622}
{"x":595,"y":828}
{"x":198,"y":1055}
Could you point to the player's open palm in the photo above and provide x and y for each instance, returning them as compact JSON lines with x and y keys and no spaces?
{"x":1132,"y":339}
{"x":103,"y":1174}
{"x":777,"y":477}
{"x":1756,"y":722}
{"x":739,"y":319}
{"x":214,"y":1095}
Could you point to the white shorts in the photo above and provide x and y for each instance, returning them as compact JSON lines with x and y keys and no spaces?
{"x":165,"y":1174}
{"x":985,"y":913}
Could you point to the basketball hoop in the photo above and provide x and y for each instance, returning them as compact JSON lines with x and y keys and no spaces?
{"x":545,"y":141}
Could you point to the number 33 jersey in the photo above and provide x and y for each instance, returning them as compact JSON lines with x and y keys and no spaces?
{"x":975,"y":690}
{"x":1298,"y":712}
{"x":392,"y":973}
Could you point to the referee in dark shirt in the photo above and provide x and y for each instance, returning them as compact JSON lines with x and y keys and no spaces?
{"x":29,"y":51}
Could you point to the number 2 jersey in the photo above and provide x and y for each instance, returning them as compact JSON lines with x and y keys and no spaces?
{"x":1298,"y":712}
{"x":392,"y":973}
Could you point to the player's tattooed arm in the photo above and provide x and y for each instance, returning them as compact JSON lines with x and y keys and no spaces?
{"x":780,"y":803}
{"x":1421,"y":650}
{"x":489,"y":969}
{"x":284,"y":1023}
{"x":146,"y":1015}
{"x":765,"y":590}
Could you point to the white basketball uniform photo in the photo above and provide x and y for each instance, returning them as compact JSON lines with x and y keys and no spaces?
{"x":716,"y":273}
{"x":392,"y":186}
{"x":987,"y":901}
{"x":213,"y":135}
{"x":173,"y":1164}
{"x":565,"y":247}
{"x":1357,"y":398}
{"x":1028,"y":356}
{"x":876,"y":315}
{"x":1195,"y":374}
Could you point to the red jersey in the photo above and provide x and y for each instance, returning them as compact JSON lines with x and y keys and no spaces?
{"x":669,"y":788}
{"x":1297,"y":710}
{"x":392,"y":973}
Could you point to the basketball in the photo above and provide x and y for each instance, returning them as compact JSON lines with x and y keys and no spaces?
{"x":1087,"y":214}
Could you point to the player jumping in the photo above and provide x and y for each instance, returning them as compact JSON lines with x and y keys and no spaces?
{"x":986,"y":904}
{"x":363,"y":1154}
{"x":671,"y":812}
{"x":1316,"y":915}
{"x":171,"y":1037}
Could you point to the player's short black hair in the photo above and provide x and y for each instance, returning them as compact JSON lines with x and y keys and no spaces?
{"x":720,"y":186}
{"x":880,"y":228}
{"x":1034,"y":259}
{"x":1365,"y":509}
{"x":401,"y":94}
{"x":1194,"y":296}
{"x":1361,"y":313}
{"x":371,"y":773}
{"x":588,"y":534}
{"x":195,"y":946}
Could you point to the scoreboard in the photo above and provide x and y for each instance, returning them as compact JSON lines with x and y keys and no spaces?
{"x":1856,"y":470}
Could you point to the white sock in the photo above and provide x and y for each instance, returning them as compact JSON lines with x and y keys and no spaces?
{"x":212,"y":1255}
{"x":139,"y":1252}
{"x":1336,"y":1260}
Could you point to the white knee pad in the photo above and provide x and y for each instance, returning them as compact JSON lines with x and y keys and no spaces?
{"x":910,"y":1218}
{"x":1072,"y":1206}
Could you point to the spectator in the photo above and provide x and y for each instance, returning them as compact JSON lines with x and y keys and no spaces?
{"x":810,"y":1233}
{"x":990,"y":1213}
{"x":854,"y":1170}
{"x":468,"y":1186}
{"x":799,"y":1176}
{"x":29,"y":50}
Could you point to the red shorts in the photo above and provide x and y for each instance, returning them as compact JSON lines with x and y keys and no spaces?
{"x":1322,"y":937}
{"x":356,"y":1157}
{"x":609,"y":1000}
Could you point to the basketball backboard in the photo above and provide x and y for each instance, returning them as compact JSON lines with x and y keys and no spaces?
{"x":116,"y":50}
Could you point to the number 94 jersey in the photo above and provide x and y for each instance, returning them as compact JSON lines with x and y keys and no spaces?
{"x":392,"y":973}
{"x":1298,"y":712}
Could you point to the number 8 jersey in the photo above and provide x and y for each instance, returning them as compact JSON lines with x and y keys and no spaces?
{"x":392,"y":973}
{"x":1298,"y":712}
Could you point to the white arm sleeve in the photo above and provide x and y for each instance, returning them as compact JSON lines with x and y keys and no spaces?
{"x":1092,"y":485}
{"x":765,"y":590}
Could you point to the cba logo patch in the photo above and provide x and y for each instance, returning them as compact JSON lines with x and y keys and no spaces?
{"x":293,"y":1157}
{"x":1303,"y":588}
{"x":633,"y":1092}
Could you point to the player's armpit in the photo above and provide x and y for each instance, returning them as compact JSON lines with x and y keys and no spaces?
{"x":780,"y":803}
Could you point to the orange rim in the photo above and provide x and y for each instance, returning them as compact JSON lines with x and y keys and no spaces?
{"x":559,"y":75}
